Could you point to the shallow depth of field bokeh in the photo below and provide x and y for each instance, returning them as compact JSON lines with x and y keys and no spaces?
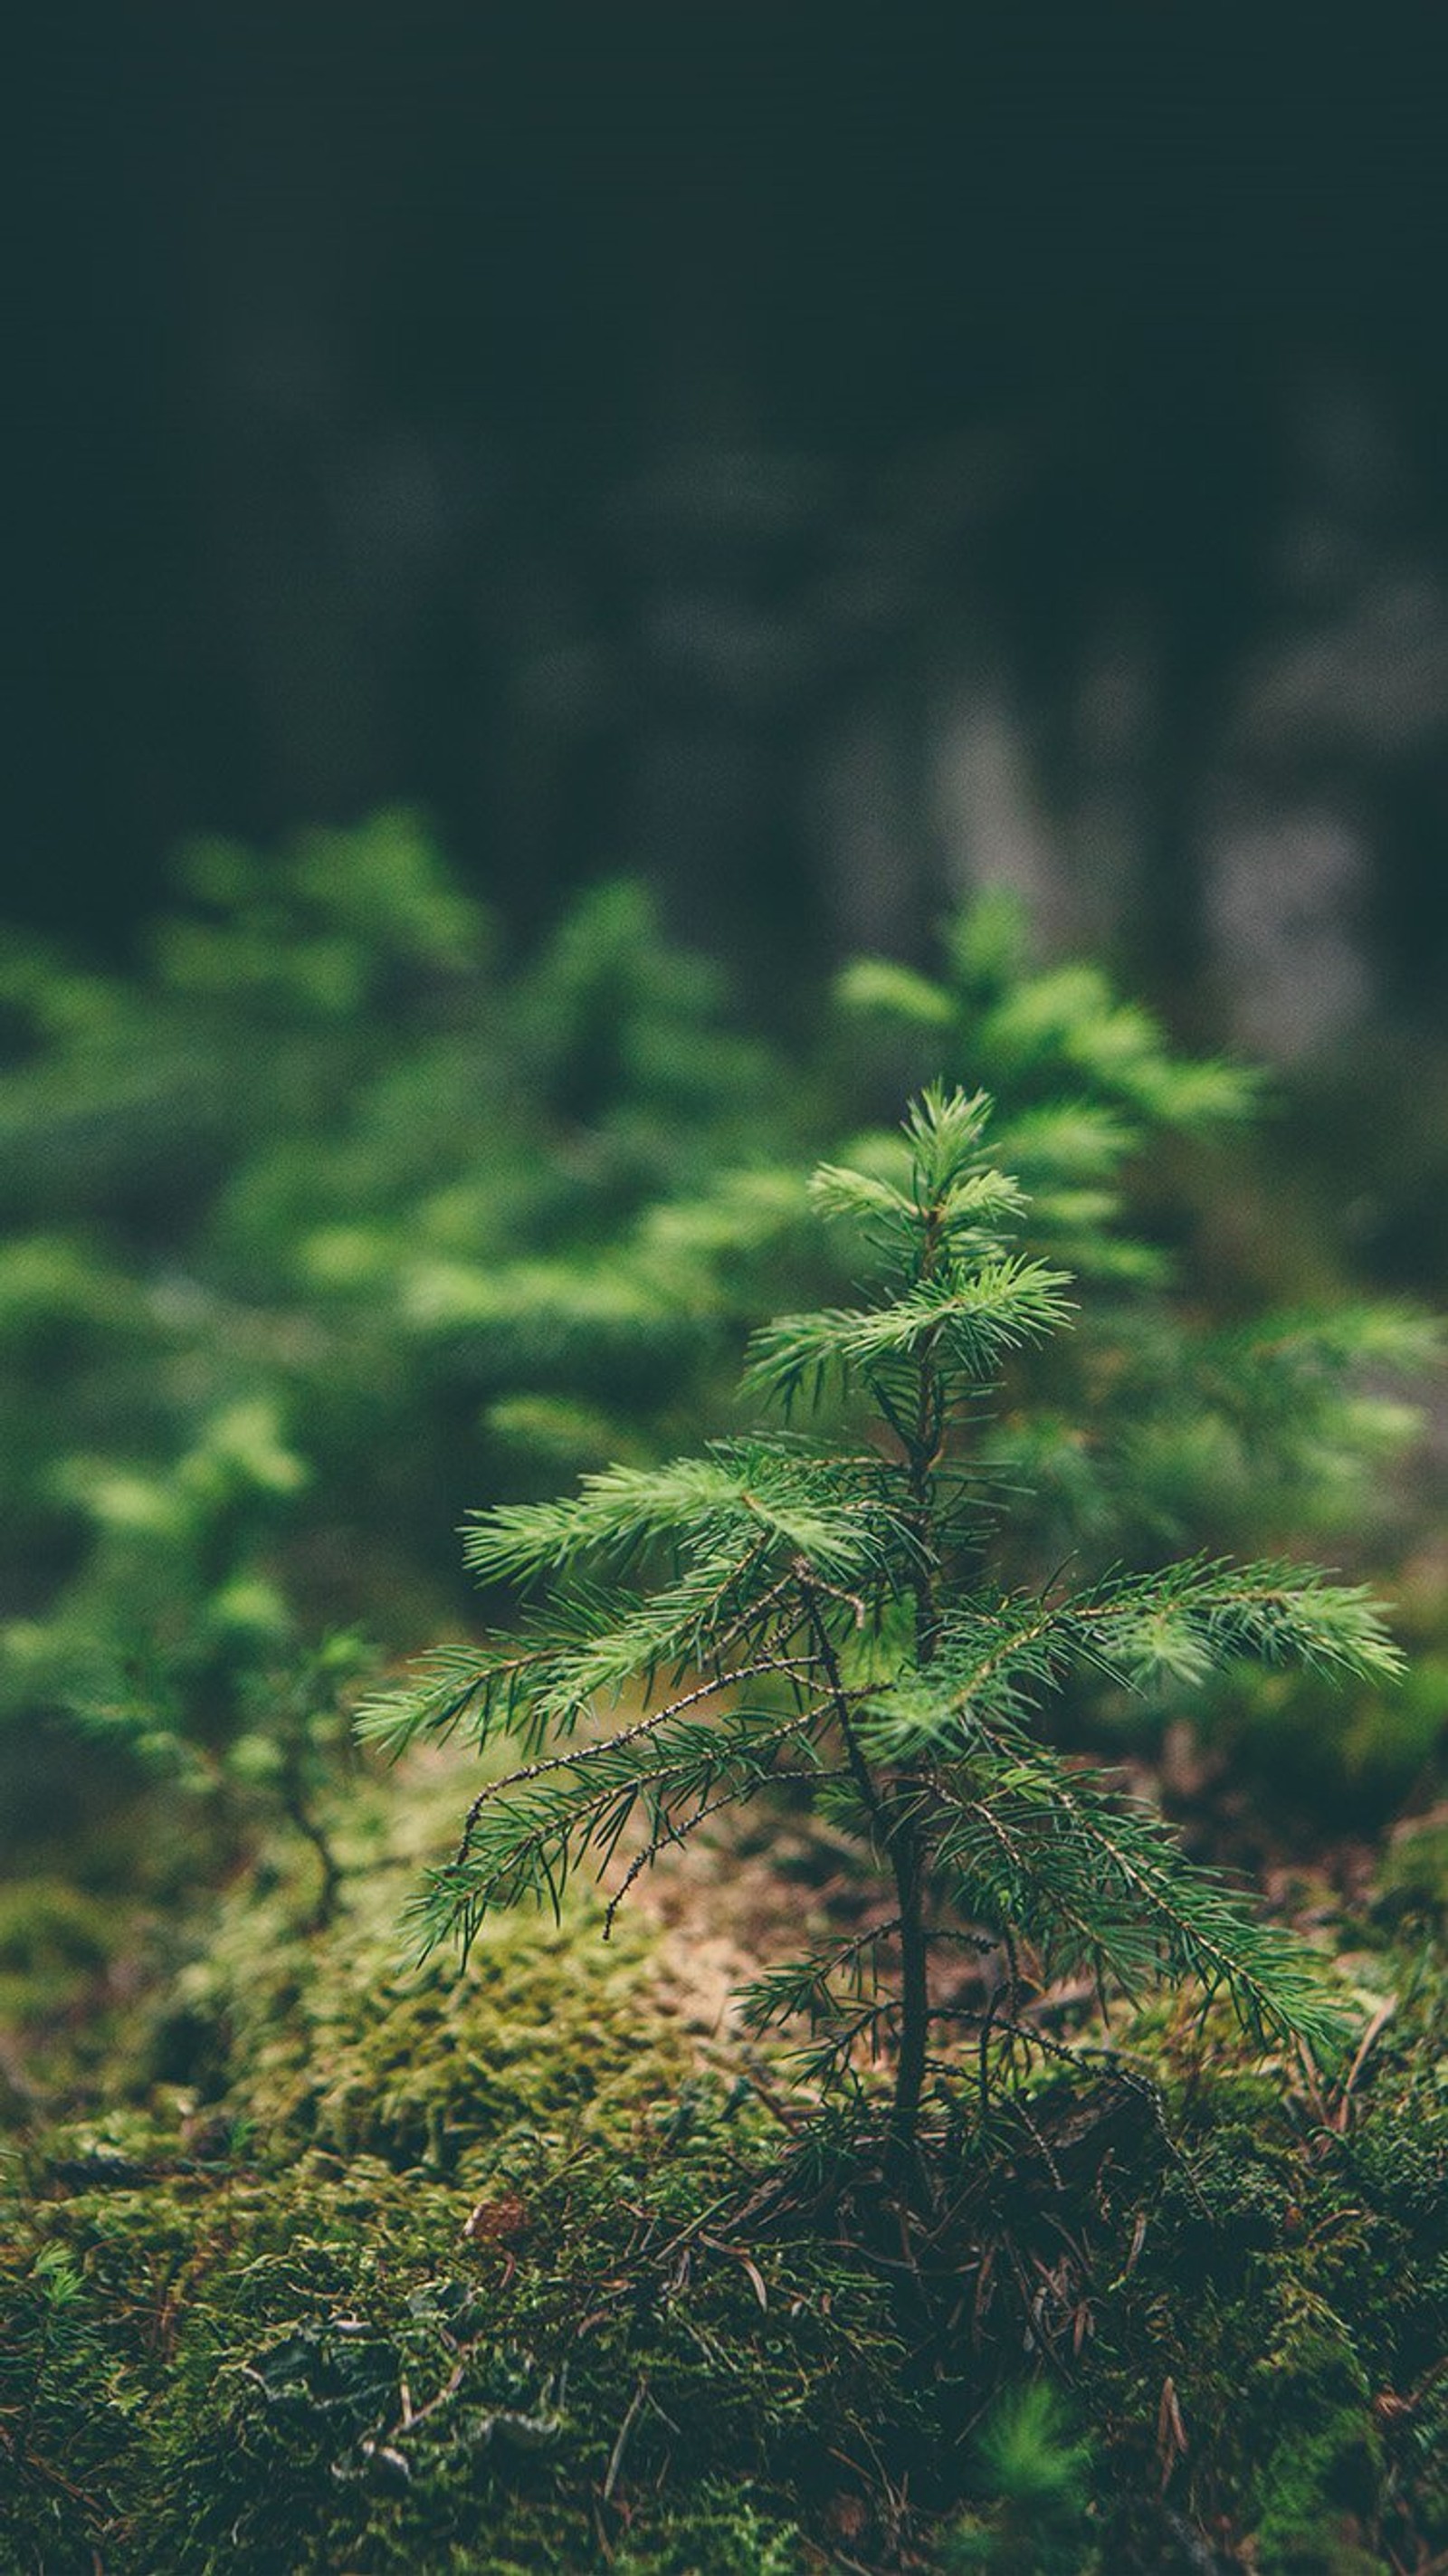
{"x":600,"y":599}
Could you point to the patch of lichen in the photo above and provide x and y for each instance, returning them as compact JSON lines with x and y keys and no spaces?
{"x":339,"y":2263}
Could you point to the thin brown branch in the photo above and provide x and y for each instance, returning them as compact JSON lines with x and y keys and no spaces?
{"x":579,"y":1755}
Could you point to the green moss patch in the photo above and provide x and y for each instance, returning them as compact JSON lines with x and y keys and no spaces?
{"x":363,"y":2267}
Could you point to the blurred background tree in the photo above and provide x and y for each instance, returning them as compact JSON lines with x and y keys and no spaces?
{"x":813,"y":460}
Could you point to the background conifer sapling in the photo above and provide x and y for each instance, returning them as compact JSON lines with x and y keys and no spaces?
{"x":818,"y":1612}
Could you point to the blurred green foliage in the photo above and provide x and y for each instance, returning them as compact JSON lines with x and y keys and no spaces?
{"x":1177,"y":1412}
{"x":329,"y":1221}
{"x":311,"y":1227}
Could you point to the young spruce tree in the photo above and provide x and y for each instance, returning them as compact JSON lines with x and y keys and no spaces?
{"x":818,"y":1612}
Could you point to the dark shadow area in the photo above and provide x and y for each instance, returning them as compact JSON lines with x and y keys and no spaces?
{"x":810,"y":460}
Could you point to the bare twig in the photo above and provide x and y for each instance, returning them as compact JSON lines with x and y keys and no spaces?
{"x":637,"y":2403}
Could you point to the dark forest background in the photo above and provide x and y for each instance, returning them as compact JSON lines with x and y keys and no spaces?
{"x":816,"y":459}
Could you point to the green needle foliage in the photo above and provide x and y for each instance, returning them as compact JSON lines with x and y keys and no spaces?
{"x":818,"y":1613}
{"x":1158,"y":1422}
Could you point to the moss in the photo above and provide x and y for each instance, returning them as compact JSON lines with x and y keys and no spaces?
{"x":362,"y":2056}
{"x":393,"y":2280}
{"x":332,"y":2262}
{"x":724,"y":2536}
{"x":1290,"y":2290}
{"x":343,"y":2364}
{"x":1322,"y":2470}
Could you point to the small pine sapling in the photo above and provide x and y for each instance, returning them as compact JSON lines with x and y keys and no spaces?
{"x":1037,"y":2475}
{"x":818,"y":1612}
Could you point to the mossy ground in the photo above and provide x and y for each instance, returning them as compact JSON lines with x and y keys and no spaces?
{"x":360,"y":2268}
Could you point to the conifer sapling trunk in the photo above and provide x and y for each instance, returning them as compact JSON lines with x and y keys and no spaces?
{"x":814,"y":1611}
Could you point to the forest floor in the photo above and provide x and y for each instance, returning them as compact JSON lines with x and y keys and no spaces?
{"x":313,"y":2260}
